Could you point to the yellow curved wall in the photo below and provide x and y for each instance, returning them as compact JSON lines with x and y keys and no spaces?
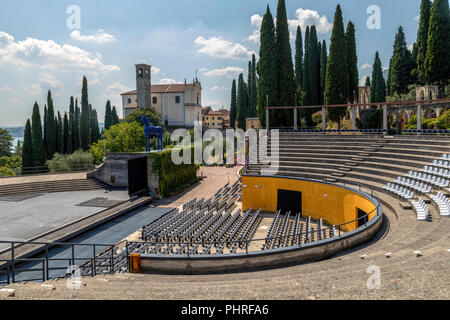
{"x":340,"y":205}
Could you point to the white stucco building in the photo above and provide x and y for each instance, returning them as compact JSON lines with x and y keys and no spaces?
{"x":179,"y":104}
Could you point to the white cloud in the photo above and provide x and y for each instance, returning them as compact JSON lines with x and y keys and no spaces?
{"x":220,"y":48}
{"x":49,"y":79}
{"x":411,"y":47}
{"x":307,"y":17}
{"x":6,"y":89}
{"x":362,"y":82}
{"x":227,"y":71}
{"x":15,"y":102}
{"x":217,"y":88}
{"x":417,"y":19}
{"x":167,"y":81}
{"x":99,"y":37}
{"x":366,"y":66}
{"x":385,"y":69}
{"x":49,"y":55}
{"x":304,"y":17}
{"x":34,"y":89}
{"x":117,"y":87}
{"x":155,"y":70}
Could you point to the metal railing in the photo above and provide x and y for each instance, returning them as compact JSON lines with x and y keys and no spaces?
{"x":27,"y":171}
{"x":45,"y":265}
{"x":281,"y":239}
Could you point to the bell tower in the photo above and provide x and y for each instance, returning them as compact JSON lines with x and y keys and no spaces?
{"x":143,"y":85}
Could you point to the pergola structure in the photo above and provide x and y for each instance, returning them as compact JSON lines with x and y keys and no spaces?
{"x":398,"y":105}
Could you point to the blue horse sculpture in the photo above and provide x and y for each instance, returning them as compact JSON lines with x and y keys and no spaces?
{"x":152,"y":131}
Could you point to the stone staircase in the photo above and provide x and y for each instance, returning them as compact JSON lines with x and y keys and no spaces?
{"x":52,"y":186}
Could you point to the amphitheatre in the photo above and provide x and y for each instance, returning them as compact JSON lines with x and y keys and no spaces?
{"x":240,"y":235}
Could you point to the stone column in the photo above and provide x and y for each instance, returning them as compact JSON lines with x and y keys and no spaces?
{"x":397,"y":121}
{"x":353,"y":118}
{"x":324,"y":117}
{"x":385,"y":119}
{"x":295,"y":119}
{"x":419,"y":118}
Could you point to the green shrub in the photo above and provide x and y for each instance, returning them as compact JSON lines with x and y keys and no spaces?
{"x":78,"y":161}
{"x":173,"y":178}
{"x":6,"y":172}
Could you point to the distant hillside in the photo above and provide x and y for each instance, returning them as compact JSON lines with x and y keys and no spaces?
{"x":15,"y":132}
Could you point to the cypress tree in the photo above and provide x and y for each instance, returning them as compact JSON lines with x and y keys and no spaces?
{"x":313,"y":69}
{"x":249,"y":89}
{"x":95,"y":130}
{"x":76,"y":127}
{"x":66,"y":133}
{"x":285,"y":68}
{"x":115,"y":117}
{"x":254,"y":89}
{"x":323,"y":70}
{"x":45,"y":132}
{"x":60,"y":134}
{"x":367,"y":84}
{"x":71,"y":126}
{"x":437,"y":60}
{"x":108,"y":116}
{"x":37,"y":141}
{"x":27,"y":149}
{"x":242,"y":103}
{"x":51,"y":128}
{"x":400,"y":73}
{"x":267,"y":68}
{"x":336,"y":85}
{"x":378,"y":88}
{"x":299,"y":57}
{"x":306,"y":73}
{"x":233,"y":105}
{"x":352,"y":61}
{"x":85,"y":134}
{"x":422,"y":38}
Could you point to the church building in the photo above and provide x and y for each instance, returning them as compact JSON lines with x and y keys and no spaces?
{"x":180,"y":105}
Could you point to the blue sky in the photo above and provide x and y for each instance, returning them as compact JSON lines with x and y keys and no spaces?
{"x":177,"y":37}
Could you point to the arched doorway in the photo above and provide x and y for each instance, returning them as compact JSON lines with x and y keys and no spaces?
{"x":430,"y":113}
{"x":403,"y":119}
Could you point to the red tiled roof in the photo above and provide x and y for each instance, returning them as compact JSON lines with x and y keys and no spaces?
{"x":163,"y":88}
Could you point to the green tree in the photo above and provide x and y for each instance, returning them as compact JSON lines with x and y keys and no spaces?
{"x":66,"y":136}
{"x":95,"y":130}
{"x":242,"y":103}
{"x":45,"y":131}
{"x":286,"y":87}
{"x":51,"y":128}
{"x":85,"y":132}
{"x":323,"y":70}
{"x":152,"y":115}
{"x":60,"y":133}
{"x":367,"y":84}
{"x":336,"y":85}
{"x":352,"y":61}
{"x":233,"y":105}
{"x":437,"y":60}
{"x":306,"y":73}
{"x":76,"y":127}
{"x":115,"y":116}
{"x":299,"y":57}
{"x":253,"y":88}
{"x":6,"y":143}
{"x":267,"y":68}
{"x":401,"y":65}
{"x":108,"y":116}
{"x":27,"y":151}
{"x":37,"y":141}
{"x":123,"y":137}
{"x":378,"y":88}
{"x":422,"y":38}
{"x":71,"y":126}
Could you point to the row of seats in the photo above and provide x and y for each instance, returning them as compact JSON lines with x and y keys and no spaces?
{"x":445,"y":173}
{"x":441,"y":163}
{"x":443,"y":203}
{"x":422,"y":211}
{"x":428,"y":178}
{"x":428,"y":131}
{"x":401,"y":192}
